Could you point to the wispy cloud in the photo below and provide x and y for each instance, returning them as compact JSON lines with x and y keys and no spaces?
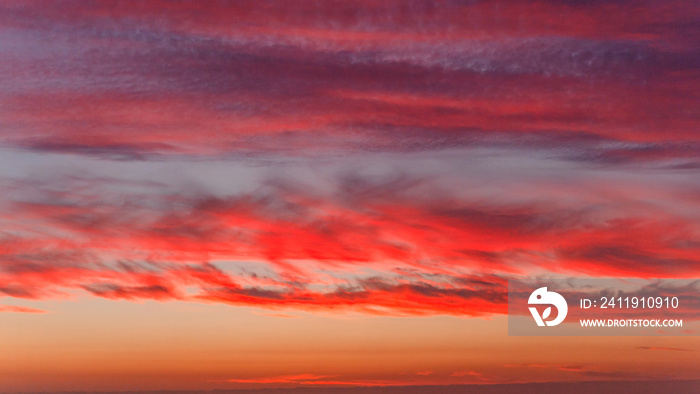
{"x":139,"y":84}
{"x":377,"y":245}
{"x":20,"y":309}
{"x":675,"y":349}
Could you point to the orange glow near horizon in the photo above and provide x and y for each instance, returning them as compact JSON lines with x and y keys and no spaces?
{"x":189,"y":346}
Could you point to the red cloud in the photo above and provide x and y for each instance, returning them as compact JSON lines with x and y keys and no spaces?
{"x":302,"y":379}
{"x":428,"y":254}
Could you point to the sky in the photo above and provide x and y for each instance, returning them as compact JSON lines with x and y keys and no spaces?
{"x":260,"y":194}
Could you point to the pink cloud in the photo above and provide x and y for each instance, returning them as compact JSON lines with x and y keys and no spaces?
{"x":20,"y":309}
